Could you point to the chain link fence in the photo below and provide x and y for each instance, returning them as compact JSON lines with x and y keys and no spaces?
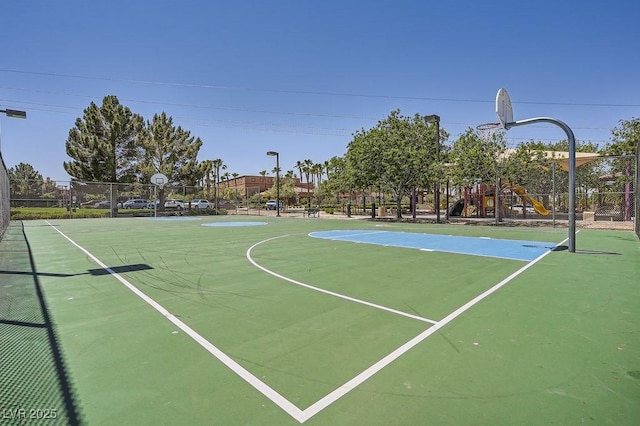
{"x":113,"y":197}
{"x":606,"y":190}
{"x":5,"y":205}
{"x":592,"y":206}
{"x":637,"y":192}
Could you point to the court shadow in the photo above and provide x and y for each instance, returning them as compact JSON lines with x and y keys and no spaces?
{"x":120,"y":269}
{"x":610,"y":253}
{"x":95,"y":272}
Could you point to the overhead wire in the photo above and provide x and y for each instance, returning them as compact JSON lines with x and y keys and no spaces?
{"x":253,"y":125}
{"x":308,"y":92}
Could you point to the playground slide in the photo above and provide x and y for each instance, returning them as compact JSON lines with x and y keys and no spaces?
{"x":537,"y":205}
{"x":456,"y":209}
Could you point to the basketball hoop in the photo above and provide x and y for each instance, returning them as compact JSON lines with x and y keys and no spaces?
{"x":159,"y":180}
{"x":488,"y":126}
{"x":487,"y":131}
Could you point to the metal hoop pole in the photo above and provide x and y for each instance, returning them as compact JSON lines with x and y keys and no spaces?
{"x":572,"y":169}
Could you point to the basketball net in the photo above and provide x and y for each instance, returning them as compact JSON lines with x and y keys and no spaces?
{"x":488,"y":131}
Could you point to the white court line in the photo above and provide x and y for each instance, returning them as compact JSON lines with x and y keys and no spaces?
{"x":369,"y":372}
{"x":258,"y":384}
{"x":366,"y":374}
{"x":303,"y":415}
{"x":332,"y":293}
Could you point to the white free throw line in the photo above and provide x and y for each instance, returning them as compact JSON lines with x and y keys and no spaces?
{"x":332,"y":293}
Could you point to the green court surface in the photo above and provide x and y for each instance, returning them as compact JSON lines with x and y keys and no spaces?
{"x":138,"y":321}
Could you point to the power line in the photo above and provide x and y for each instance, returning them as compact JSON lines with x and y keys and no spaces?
{"x":220,"y":108}
{"x":295,"y":129}
{"x":239,"y":110}
{"x":303,"y":92}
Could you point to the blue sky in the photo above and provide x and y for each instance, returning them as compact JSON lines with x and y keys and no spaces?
{"x":300,"y":77}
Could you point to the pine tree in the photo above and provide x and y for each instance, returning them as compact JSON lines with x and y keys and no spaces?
{"x":104,"y":143}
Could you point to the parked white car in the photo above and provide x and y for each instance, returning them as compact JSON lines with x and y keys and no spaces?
{"x":201,"y":204}
{"x":518,"y":208}
{"x":174,"y":205}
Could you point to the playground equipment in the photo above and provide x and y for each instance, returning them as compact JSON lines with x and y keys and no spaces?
{"x":481,"y":201}
{"x":522,"y":193}
{"x":478,"y":201}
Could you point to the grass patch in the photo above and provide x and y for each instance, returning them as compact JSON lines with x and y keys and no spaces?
{"x":31,"y":213}
{"x":45,"y":213}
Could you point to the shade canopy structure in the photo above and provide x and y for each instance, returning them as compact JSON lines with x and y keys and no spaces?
{"x":560,"y":157}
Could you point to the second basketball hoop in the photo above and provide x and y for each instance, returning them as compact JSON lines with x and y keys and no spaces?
{"x":504,"y":110}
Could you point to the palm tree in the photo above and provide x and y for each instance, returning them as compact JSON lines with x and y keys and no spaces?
{"x":235,"y":183}
{"x":319,"y":171}
{"x":207,"y":169}
{"x":218,"y":165}
{"x":300,"y":166}
{"x":308,"y":164}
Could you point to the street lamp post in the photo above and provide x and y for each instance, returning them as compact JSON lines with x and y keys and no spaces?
{"x":436,"y":193}
{"x":277,"y":155}
{"x":13,"y":113}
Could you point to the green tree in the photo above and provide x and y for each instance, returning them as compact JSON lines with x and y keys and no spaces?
{"x":235,"y":183}
{"x":526,"y":166}
{"x":337,"y":181}
{"x":206,"y":170}
{"x":475,"y":158}
{"x":625,"y":140}
{"x":299,"y":166}
{"x":625,"y":137}
{"x":287,"y":192}
{"x":49,"y":188}
{"x":218,"y":165}
{"x":398,"y":154}
{"x":171,"y":151}
{"x":532,"y":167}
{"x":25,"y":181}
{"x":104,"y":145}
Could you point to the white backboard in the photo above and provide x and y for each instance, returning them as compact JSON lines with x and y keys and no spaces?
{"x":503,"y":107}
{"x":159,"y":179}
